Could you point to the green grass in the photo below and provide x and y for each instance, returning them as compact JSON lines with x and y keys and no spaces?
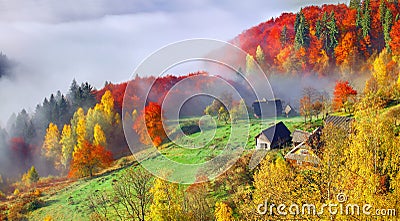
{"x":70,"y":203}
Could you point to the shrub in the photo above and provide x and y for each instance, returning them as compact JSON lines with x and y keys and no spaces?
{"x":37,"y":193}
{"x":15,"y":211}
{"x":2,"y":196}
{"x":48,"y":218}
{"x":3,"y":212}
{"x":16,"y":192}
{"x":33,"y":204}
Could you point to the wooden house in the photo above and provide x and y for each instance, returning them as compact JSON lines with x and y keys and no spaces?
{"x":273,"y":137}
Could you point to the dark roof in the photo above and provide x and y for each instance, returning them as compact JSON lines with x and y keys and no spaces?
{"x":277,"y":132}
{"x":299,"y":136}
{"x":338,"y":121}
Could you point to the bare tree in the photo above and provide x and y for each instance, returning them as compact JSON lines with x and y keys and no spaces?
{"x":129,"y":198}
{"x":307,"y":101}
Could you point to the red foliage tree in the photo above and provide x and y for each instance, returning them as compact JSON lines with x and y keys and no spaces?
{"x":149,"y":125}
{"x":395,"y":36}
{"x":343,"y":93}
{"x":21,"y":153}
{"x":88,"y":159}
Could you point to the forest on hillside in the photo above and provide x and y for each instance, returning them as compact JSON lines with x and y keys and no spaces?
{"x":79,"y":134}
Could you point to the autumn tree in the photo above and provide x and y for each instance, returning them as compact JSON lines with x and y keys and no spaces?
{"x":89,"y":159}
{"x":51,"y":145}
{"x":129,"y":198}
{"x":346,"y":52}
{"x":307,"y":102}
{"x":239,"y":111}
{"x":343,"y":94}
{"x":149,"y":125}
{"x":260,"y":55}
{"x":31,"y":176}
{"x":213,"y":108}
{"x":198,"y":201}
{"x":167,"y":201}
{"x":250,"y":64}
{"x":395,"y":38}
{"x":133,"y":191}
{"x":67,"y":143}
{"x":99,"y":138}
{"x":223,"y":114}
{"x":78,"y":127}
{"x":223,"y":212}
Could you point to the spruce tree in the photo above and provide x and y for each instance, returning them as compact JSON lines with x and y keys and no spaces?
{"x":332,"y":33}
{"x":302,"y":37}
{"x":284,"y":38}
{"x":355,"y":3}
{"x":387,"y":27}
{"x":366,"y":18}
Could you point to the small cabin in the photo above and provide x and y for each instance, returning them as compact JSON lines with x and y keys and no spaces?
{"x":290,"y":111}
{"x":273,"y":137}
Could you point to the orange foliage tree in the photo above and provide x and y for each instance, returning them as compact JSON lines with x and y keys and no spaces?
{"x":395,"y":36}
{"x":343,"y":94}
{"x":88,"y":159}
{"x":149,"y":125}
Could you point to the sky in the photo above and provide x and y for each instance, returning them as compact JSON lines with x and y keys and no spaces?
{"x":53,"y":42}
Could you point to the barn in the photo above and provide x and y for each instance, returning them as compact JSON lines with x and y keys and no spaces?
{"x":273,"y":137}
{"x":267,"y":108}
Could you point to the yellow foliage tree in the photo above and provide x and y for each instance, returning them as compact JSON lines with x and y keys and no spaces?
{"x":67,"y":145}
{"x":51,"y":145}
{"x":99,"y":136}
{"x":167,"y":201}
{"x":250,"y":64}
{"x":223,"y":212}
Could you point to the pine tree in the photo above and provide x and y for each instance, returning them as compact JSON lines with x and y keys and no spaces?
{"x":366,"y":18}
{"x":302,"y":37}
{"x":318,"y":29}
{"x":382,"y":11}
{"x":284,"y":36}
{"x":387,"y":27}
{"x":31,"y":177}
{"x":332,"y":32}
{"x":355,"y":4}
